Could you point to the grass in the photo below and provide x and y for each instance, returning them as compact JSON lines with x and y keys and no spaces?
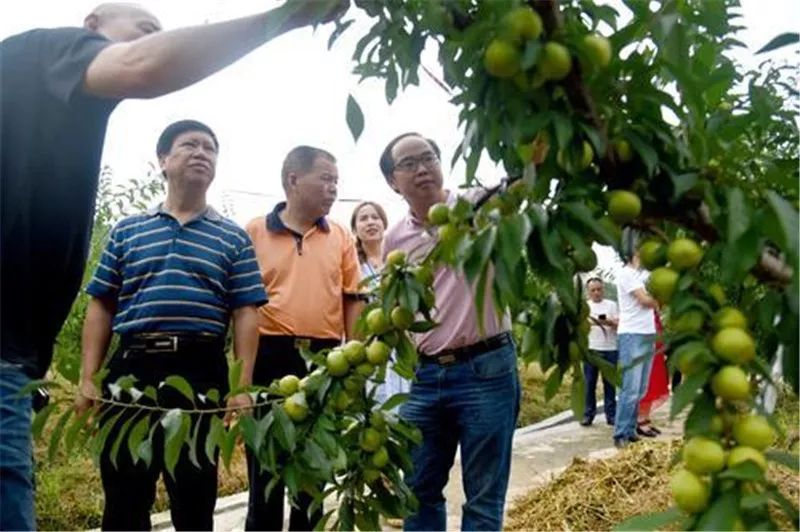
{"x":69,"y":494}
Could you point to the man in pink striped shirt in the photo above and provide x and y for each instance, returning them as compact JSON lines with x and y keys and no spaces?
{"x":466,"y":392}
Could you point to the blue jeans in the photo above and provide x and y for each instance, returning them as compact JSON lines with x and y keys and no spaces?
{"x":590,"y":372}
{"x":472,"y":404}
{"x":16,"y":454}
{"x":636,"y":357}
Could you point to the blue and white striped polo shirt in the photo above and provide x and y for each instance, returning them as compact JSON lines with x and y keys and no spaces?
{"x":168,"y":277}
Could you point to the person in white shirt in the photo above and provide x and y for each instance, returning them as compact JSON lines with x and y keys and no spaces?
{"x":636,"y":334}
{"x":603,"y":316}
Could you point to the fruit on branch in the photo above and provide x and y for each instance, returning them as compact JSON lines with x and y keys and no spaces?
{"x":448,"y":233}
{"x":690,"y":322}
{"x":622,"y":149}
{"x":296,"y":407}
{"x":377,"y":322}
{"x":378,"y":352}
{"x":717,"y":293}
{"x":734,"y":345}
{"x":727,"y":317}
{"x":501,"y":59}
{"x":691,"y":360}
{"x":684,"y":254}
{"x":662,"y":284}
{"x":585,"y":260}
{"x":624,"y":206}
{"x":554,"y":62}
{"x":731,"y":383}
{"x":288,"y":384}
{"x":423,"y":275}
{"x":337,"y":363}
{"x":439,"y":214}
{"x":703,"y":455}
{"x":377,"y":420}
{"x":370,"y":440}
{"x":402,"y":318}
{"x":741,"y":454}
{"x":691,"y":493}
{"x":652,"y":254}
{"x":395,"y":258}
{"x":380,"y":458}
{"x":365,"y":369}
{"x":355,"y":352}
{"x":754,"y":431}
{"x":567,"y":162}
{"x":597,"y":49}
{"x":523,"y":23}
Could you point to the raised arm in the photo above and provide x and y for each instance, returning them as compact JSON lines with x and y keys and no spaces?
{"x":166,"y":61}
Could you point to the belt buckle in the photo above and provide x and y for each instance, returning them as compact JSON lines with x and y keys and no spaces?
{"x":446,"y":360}
{"x":162,"y":345}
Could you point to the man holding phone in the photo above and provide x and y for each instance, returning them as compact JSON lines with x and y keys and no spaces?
{"x":603,"y":317}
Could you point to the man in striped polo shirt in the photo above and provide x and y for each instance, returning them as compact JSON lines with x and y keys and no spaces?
{"x":168,"y":283}
{"x":309,"y":266}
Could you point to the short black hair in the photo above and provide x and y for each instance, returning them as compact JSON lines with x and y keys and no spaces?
{"x":595,"y":280}
{"x":164,"y":145}
{"x":387,"y":163}
{"x":301,"y":159}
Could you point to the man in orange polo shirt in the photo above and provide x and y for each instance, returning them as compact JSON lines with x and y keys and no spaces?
{"x":310,"y":269}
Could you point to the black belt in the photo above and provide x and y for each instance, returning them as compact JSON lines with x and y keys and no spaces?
{"x":169,"y":342}
{"x":448,"y":357}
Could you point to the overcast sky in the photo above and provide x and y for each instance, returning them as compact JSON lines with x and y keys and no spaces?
{"x":293,"y":91}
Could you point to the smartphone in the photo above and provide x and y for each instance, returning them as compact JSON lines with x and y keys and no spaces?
{"x":601,"y":317}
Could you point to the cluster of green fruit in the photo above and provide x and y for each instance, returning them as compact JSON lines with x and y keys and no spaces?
{"x":503,"y":55}
{"x":721,"y":345}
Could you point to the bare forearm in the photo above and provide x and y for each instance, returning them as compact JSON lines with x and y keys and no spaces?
{"x":245,"y":341}
{"x":352,"y":310}
{"x":164,"y":62}
{"x":95,"y":336}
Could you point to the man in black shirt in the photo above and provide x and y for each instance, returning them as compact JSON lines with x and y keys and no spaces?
{"x":58,"y":89}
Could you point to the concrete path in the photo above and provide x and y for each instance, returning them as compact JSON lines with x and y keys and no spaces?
{"x":540,"y":451}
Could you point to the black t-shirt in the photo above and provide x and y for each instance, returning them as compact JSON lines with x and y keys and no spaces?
{"x":51,"y":143}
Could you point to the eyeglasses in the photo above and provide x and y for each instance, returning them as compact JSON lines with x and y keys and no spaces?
{"x":409,"y":164}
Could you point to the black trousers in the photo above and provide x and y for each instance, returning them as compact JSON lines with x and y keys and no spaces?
{"x":277,"y":357}
{"x":130,"y":488}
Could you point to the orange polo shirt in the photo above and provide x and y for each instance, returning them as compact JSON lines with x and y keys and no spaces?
{"x":306,"y":276}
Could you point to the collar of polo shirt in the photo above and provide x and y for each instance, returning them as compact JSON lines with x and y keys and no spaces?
{"x":275,"y":224}
{"x":210,"y":212}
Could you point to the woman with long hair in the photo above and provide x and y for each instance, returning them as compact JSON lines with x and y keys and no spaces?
{"x":368,"y":224}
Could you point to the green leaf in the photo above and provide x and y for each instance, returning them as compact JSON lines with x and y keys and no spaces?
{"x":738,"y":214}
{"x":195,"y":437}
{"x":512,"y":235}
{"x":78,"y":424}
{"x":40,"y":420}
{"x":234,"y":375}
{"x":722,"y":514}
{"x":688,"y":391}
{"x":395,"y":401}
{"x":789,"y":460}
{"x":120,"y":438}
{"x":552,"y":384}
{"x":653,"y":521}
{"x":480,"y":253}
{"x":564,"y":129}
{"x":748,"y":470}
{"x":55,"y":437}
{"x":182,"y":385}
{"x":787,"y":217}
{"x":698,"y":422}
{"x":214,"y":439}
{"x":340,"y":28}
{"x":645,"y":151}
{"x":284,"y":429}
{"x":786,"y":505}
{"x":578,"y":397}
{"x":779,"y":41}
{"x":754,"y":500}
{"x":176,"y":427}
{"x":228,"y":443}
{"x":355,"y":117}
{"x":136,"y":436}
